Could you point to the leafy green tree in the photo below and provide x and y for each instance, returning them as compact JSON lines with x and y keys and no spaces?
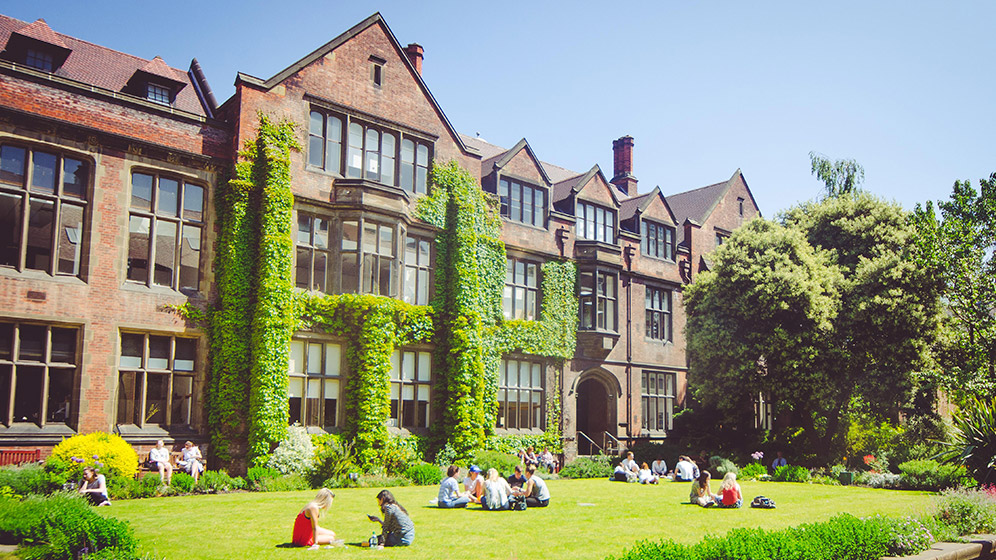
{"x":959,"y":249}
{"x":848,"y":323}
{"x":841,"y":177}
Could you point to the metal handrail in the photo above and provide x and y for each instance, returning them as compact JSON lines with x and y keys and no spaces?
{"x":591,"y":441}
{"x":607,"y":437}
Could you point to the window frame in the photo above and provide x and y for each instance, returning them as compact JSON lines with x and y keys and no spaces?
{"x":399,"y":403}
{"x":423,"y":283}
{"x":27,"y":194}
{"x":39,"y":59}
{"x":657,"y":400}
{"x":47,"y":363}
{"x":664,"y":240}
{"x":322,"y":376}
{"x":598,"y":226}
{"x":159,"y":93}
{"x":313,"y":250}
{"x":422,"y":151}
{"x":662,"y":314}
{"x":507,"y":185}
{"x":180,"y":221}
{"x":145,"y":369}
{"x":536,"y":395}
{"x":596,"y":298}
{"x":513,"y":287}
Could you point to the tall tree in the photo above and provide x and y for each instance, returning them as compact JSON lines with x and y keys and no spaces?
{"x":841,"y":177}
{"x":959,"y":248}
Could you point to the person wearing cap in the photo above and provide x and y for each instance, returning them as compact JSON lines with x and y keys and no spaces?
{"x":473,"y":484}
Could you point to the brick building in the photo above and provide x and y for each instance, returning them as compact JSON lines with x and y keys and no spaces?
{"x":87,"y":341}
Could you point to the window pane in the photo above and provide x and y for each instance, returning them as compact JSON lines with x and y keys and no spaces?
{"x":27,"y":394}
{"x":333,"y":145}
{"x":408,"y":165}
{"x":333,"y":357}
{"x":39,"y":250}
{"x":408,"y":367}
{"x":396,"y":365}
{"x":75,"y":174}
{"x":424,"y":366}
{"x":527,"y":205}
{"x":10,"y":229}
{"x":537,"y":409}
{"x":183,"y":395}
{"x":141,"y":191}
{"x":539,"y":207}
{"x":12,"y":161}
{"x":155,"y":398}
{"x":386,"y":283}
{"x":422,"y":169}
{"x":422,"y":416}
{"x":302,"y":268}
{"x":350,"y":235}
{"x":315,"y":140}
{"x":524,"y":409}
{"x":536,"y":380}
{"x":166,"y":197}
{"x":138,"y":248}
{"x":63,"y":345}
{"x":190,"y":257}
{"x":295,"y":393}
{"x":408,"y":407}
{"x":503,"y":196}
{"x":411,"y":285}
{"x":423,"y":287}
{"x":372,"y":157}
{"x":129,"y":394}
{"x":165,"y":253}
{"x":185,"y":353}
{"x":193,"y":202}
{"x":43,"y":172}
{"x":32,"y":339}
{"x":386,"y":246}
{"x":350,"y":273}
{"x":331,"y":401}
{"x":314,"y":417}
{"x":131,"y":350}
{"x":369,"y":237}
{"x":515,"y":212}
{"x":319,"y":273}
{"x":296,"y":362}
{"x":70,"y":235}
{"x":6,"y":343}
{"x":387,"y":159}
{"x":354,"y":154}
{"x":314,"y":359}
{"x":158,"y":352}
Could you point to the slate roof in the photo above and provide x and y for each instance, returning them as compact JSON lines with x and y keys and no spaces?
{"x":697,"y":204}
{"x":100,"y":66}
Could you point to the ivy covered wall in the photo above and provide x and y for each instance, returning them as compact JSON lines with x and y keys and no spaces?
{"x":248,"y":398}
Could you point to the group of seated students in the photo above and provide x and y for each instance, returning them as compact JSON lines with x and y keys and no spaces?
{"x":545,"y":459}
{"x":493,"y":492}
{"x":730,"y":495}
{"x":397,"y":528}
{"x":192,"y":462}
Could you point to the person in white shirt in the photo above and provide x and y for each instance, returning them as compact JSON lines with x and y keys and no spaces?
{"x":685,"y":470}
{"x":159,"y":456}
{"x":629,"y":464}
{"x":647,"y":477}
{"x":496,"y":492}
{"x":474,"y":484}
{"x":659,"y":468}
{"x":779,"y":461}
{"x":191,"y":461}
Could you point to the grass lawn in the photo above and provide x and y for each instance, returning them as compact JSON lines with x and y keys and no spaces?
{"x":586,"y":519}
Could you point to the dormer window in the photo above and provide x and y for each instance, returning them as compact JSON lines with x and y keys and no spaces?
{"x":522,"y":203}
{"x":39,"y":60}
{"x":158,"y":94}
{"x":657,"y":240}
{"x":596,"y":223}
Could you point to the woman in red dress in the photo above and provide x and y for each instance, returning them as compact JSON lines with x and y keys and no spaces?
{"x":306,"y":529}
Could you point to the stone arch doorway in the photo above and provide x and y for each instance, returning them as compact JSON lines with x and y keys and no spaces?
{"x":595,"y":410}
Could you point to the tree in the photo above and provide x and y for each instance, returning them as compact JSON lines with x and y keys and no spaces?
{"x":840,"y":177}
{"x":819,"y":312}
{"x":959,"y":249}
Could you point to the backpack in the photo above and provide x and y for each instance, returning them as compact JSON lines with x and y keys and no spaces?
{"x":517,"y":503}
{"x":761,"y":502}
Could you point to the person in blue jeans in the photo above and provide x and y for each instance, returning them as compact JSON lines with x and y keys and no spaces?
{"x":449,"y":490}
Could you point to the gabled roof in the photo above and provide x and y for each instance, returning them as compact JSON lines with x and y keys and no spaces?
{"x":698,"y":204}
{"x":630,"y":206}
{"x":94,"y":65}
{"x":577,"y":183}
{"x":157,"y":67}
{"x":501,"y":160}
{"x":375,"y":19}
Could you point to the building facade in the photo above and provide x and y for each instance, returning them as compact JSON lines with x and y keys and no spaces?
{"x":108,"y":166}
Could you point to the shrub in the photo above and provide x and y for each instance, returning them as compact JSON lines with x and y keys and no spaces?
{"x":878,"y":479}
{"x":907,"y":535}
{"x":502,"y":462}
{"x":512,"y":444}
{"x":212,"y":482}
{"x":284,"y":483}
{"x":61,"y":526}
{"x":256,"y":476}
{"x":446,"y":456}
{"x":974,"y":439}
{"x":720,"y":466}
{"x":109,"y":452}
{"x":181,"y":483}
{"x":295,"y":452}
{"x":424,"y":474}
{"x":967,"y":511}
{"x":825,"y":480}
{"x":791,"y":473}
{"x":334,"y":459}
{"x":27,"y":479}
{"x":396,"y":455}
{"x":381,"y":481}
{"x":583,"y":467}
{"x":928,"y":474}
{"x":753,"y":471}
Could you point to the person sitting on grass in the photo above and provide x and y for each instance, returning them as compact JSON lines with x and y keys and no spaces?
{"x":647,"y":477}
{"x":701,"y":493}
{"x":95,"y":487}
{"x":449,"y":491}
{"x":397,"y":528}
{"x":548,"y":461}
{"x":516,"y":479}
{"x":191,"y":461}
{"x":730,"y":490}
{"x":659,"y":468}
{"x":474,"y":484}
{"x":496,"y":491}
{"x":535,"y":491}
{"x":306,"y":529}
{"x":685,"y":470}
{"x":159,"y":459}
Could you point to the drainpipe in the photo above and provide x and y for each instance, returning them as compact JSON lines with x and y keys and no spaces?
{"x":629,"y":251}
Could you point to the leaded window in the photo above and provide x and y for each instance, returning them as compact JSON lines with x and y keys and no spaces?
{"x":418,"y":270}
{"x":43,"y":200}
{"x":39,"y":60}
{"x":595,"y":223}
{"x":658,"y":314}
{"x":657,"y":240}
{"x":523,"y":203}
{"x":156,"y":380}
{"x":158,"y":94}
{"x":520,"y":395}
{"x":165,"y":226}
{"x":598,"y":300}
{"x":411,"y":380}
{"x":38,"y":366}
{"x":315,"y":383}
{"x":657,"y":398}
{"x":520,"y":299}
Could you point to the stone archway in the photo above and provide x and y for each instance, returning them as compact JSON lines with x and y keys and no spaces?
{"x":595,"y":410}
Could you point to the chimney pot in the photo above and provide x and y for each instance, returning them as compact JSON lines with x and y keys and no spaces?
{"x":415,"y":54}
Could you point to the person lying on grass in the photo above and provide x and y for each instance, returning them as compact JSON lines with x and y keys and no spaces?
{"x":397,"y":528}
{"x":306,"y":529}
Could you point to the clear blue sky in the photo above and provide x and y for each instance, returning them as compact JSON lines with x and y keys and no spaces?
{"x":905,"y":88}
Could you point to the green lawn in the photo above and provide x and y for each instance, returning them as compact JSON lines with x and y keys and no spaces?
{"x":586,"y":519}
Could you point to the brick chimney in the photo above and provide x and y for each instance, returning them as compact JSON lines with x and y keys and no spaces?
{"x":415,"y":54}
{"x":622,"y":163}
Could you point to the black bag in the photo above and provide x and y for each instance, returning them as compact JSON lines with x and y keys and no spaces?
{"x":761,"y":502}
{"x":517,"y":503}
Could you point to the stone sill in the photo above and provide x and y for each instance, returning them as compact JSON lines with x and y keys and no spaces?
{"x":979,"y":547}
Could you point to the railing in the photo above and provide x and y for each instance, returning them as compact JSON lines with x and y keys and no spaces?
{"x":615,"y":446}
{"x":591,"y":443}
